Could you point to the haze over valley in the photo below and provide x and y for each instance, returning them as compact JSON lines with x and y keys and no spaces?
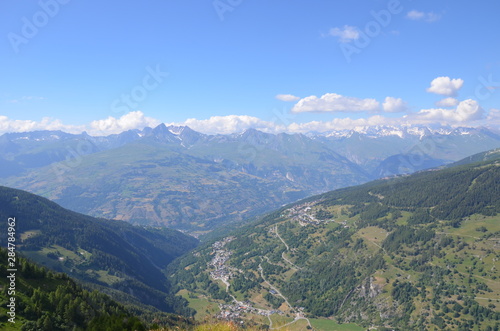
{"x":195,"y":182}
{"x":235,"y":165}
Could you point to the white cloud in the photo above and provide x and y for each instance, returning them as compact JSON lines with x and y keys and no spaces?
{"x":447,"y":102}
{"x":137,"y":120}
{"x":394,"y":105}
{"x":467,"y":111}
{"x":332,"y":102}
{"x":340,"y":124}
{"x":345,"y":34}
{"x":26,"y":98}
{"x":446,"y":86}
{"x":287,"y":97}
{"x":130,"y":121}
{"x":231,"y":124}
{"x":493,"y":117}
{"x":416,"y":15}
{"x":9,"y":125}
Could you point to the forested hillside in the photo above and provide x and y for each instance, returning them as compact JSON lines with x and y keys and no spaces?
{"x":45,"y":300}
{"x":113,"y":256}
{"x":479,"y":157}
{"x":417,"y":252}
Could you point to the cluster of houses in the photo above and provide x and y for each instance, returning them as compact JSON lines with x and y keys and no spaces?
{"x":223,"y":272}
{"x":235,"y":311}
{"x":302,"y":214}
{"x":219,"y":260}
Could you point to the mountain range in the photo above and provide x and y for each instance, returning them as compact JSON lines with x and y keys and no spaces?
{"x":196,"y":182}
{"x":410,"y":252}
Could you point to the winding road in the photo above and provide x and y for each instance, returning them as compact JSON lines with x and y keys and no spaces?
{"x":287,"y":249}
{"x":298,"y":316}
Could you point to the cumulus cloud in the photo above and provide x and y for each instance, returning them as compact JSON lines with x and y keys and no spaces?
{"x":130,"y":121}
{"x":417,"y":15}
{"x":446,"y":86}
{"x":447,"y":102}
{"x":394,"y":105}
{"x":231,"y":124}
{"x":111,"y":125}
{"x":345,"y":34}
{"x":332,"y":102}
{"x":287,"y":97}
{"x":47,"y":123}
{"x":466,"y":111}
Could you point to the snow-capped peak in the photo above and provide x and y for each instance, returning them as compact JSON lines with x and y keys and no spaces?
{"x":401,"y":131}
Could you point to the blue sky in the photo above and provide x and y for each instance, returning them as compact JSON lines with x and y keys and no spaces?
{"x":226,"y":65}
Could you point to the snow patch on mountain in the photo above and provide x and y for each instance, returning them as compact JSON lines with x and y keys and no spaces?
{"x":401,"y":131}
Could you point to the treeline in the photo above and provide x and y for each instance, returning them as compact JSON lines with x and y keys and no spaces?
{"x":452,"y":193}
